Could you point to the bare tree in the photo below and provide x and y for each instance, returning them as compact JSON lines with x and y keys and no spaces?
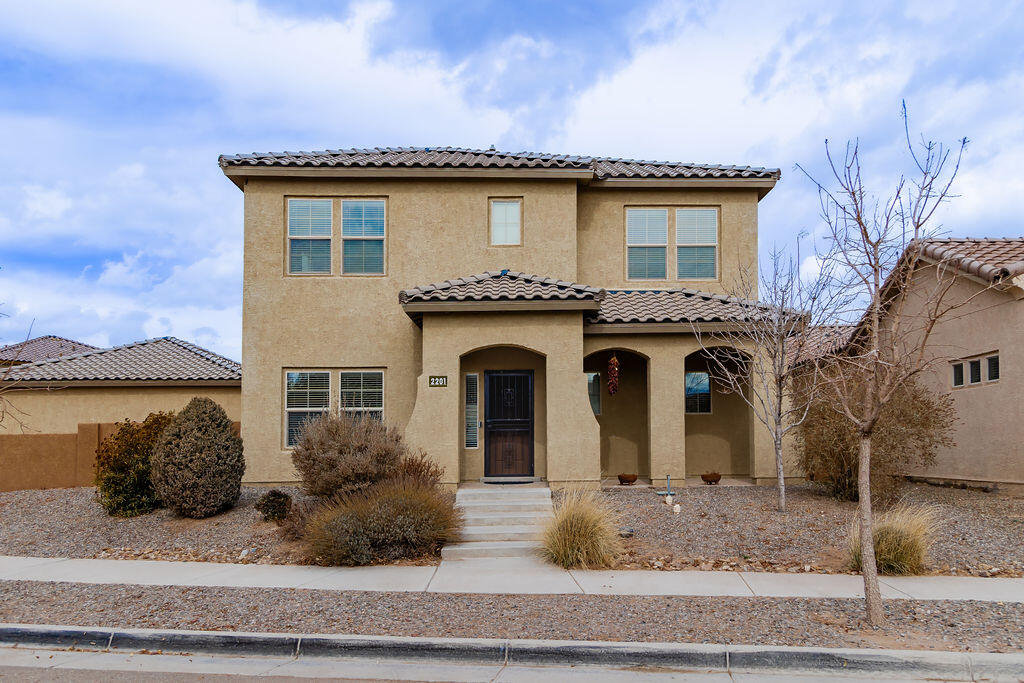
{"x":755,"y":356}
{"x":876,"y":253}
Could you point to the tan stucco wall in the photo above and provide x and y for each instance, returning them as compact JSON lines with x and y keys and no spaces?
{"x":625,"y":445}
{"x":59,"y":411}
{"x":503,"y":358}
{"x":602,"y":234}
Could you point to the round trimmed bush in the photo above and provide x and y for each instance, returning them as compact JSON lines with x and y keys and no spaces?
{"x":123,"y":486}
{"x":274,"y":505}
{"x":198,"y":464}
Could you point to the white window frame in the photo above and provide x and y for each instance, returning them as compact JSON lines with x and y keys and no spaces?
{"x":963,"y":377}
{"x":680,"y":243}
{"x":288,"y":411}
{"x":289,"y":237}
{"x":981,"y":372}
{"x":490,"y":220}
{"x":342,"y":408}
{"x":383,"y":239}
{"x":662,"y":245}
{"x":711,"y":391}
{"x":600,"y":398}
{"x":466,"y":415}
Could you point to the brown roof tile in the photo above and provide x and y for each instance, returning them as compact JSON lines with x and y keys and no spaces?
{"x":991,"y":259}
{"x":164,"y":358}
{"x":501,"y":285}
{"x":42,"y":348}
{"x":670,"y":306}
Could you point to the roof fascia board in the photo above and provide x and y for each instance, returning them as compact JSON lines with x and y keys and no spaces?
{"x":401,"y":172}
{"x":500,"y":306}
{"x":762,"y":185}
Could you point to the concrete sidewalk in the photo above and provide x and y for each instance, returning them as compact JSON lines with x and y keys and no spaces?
{"x":509,"y":575}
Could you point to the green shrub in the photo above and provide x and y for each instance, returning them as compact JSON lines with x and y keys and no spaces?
{"x":123,"y":486}
{"x":397,"y":518}
{"x":274,"y":505}
{"x":198,"y":464}
{"x":912,"y":427}
{"x":903,"y":538}
{"x":341,"y":454}
{"x":583,"y":533}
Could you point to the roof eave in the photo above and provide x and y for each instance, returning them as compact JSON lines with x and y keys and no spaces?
{"x":411,"y":307}
{"x":762,"y":185}
{"x":238,"y":174}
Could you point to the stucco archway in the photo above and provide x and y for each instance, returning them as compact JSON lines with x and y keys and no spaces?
{"x":623,"y":417}
{"x":718,"y":423}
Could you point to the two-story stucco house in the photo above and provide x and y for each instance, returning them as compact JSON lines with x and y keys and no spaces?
{"x":475,"y":299}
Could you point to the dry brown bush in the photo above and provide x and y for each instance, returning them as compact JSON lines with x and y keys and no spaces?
{"x":583,"y":533}
{"x":903,"y":539}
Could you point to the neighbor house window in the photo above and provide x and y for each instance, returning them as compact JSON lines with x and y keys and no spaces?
{"x":362,"y":237}
{"x":309,"y":236}
{"x":362,"y":392}
{"x":697,"y":244}
{"x":472,"y":411}
{"x":975,"y":370}
{"x":307,"y":395}
{"x":646,"y":243}
{"x":993,"y":368}
{"x":594,"y":391}
{"x":958,"y":374}
{"x":506,"y":222}
{"x":698,"y":392}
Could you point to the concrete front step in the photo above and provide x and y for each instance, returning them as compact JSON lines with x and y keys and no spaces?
{"x":503,"y":494}
{"x":503,"y":533}
{"x":477,"y":549}
{"x":519,"y":507}
{"x":489,"y":518}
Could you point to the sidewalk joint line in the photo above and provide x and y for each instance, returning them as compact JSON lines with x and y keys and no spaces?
{"x":749,"y":587}
{"x":426,"y":589}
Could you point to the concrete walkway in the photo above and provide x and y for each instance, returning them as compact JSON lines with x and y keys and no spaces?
{"x":507,"y":575}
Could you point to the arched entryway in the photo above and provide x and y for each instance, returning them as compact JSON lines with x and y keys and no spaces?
{"x":718,"y":423}
{"x":504,"y":409}
{"x":622,"y":416}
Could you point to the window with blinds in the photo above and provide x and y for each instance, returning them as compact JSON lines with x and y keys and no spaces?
{"x":362,"y":237}
{"x":307,"y":395}
{"x":362,"y":391}
{"x":506,"y":222}
{"x":696,"y":244}
{"x":993,"y":368}
{"x":698,"y":392}
{"x":472,"y":423}
{"x":310,"y":223}
{"x":594,"y":391}
{"x":646,"y":243}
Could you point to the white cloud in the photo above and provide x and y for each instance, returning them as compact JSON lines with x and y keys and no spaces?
{"x":47,"y":204}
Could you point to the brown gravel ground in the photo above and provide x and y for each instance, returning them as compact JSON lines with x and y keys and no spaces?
{"x":975,"y":626}
{"x":739,"y":527}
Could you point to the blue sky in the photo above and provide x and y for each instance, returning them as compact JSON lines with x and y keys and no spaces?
{"x":117,"y":225}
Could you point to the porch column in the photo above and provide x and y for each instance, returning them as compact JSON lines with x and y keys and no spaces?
{"x":667,"y":414}
{"x":574,"y":435}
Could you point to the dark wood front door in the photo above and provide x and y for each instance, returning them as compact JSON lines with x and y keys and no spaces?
{"x":508,"y":423}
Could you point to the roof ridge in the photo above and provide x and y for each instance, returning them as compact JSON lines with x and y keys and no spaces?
{"x":97,"y":351}
{"x":209,"y":355}
{"x":49,"y":336}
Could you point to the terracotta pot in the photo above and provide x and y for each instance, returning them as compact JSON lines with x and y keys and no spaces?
{"x":627,"y":479}
{"x":711,"y":477}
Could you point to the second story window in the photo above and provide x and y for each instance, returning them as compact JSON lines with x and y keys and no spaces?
{"x":646,"y":243}
{"x":697,"y":244}
{"x":309,"y":236}
{"x":506,"y":222}
{"x":362,"y":237}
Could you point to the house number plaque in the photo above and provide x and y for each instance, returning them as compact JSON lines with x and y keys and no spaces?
{"x":437,"y":381}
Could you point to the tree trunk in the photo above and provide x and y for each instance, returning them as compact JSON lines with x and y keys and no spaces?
{"x":779,"y":473}
{"x":868,"y":567}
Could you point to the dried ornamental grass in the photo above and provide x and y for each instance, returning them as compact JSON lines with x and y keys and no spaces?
{"x":583,"y":532}
{"x":903,"y":539}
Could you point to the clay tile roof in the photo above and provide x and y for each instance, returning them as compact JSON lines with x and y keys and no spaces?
{"x":671,"y":306}
{"x":42,"y":348}
{"x":501,"y":285}
{"x":822,"y":340}
{"x":991,"y":259}
{"x":457,"y":157}
{"x":164,"y":358}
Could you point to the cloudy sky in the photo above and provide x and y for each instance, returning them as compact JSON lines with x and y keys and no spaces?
{"x":116,"y":223}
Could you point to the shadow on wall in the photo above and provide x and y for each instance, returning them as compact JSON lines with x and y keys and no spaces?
{"x":623,"y":417}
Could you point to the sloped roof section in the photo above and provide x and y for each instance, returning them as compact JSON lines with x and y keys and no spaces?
{"x":991,"y":259}
{"x":500,"y":285}
{"x":42,"y":348}
{"x":161,"y":359}
{"x":602,"y":168}
{"x":822,"y":340}
{"x":672,"y":306}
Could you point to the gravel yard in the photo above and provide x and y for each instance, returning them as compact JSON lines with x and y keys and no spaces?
{"x":982,"y":533}
{"x":983,"y":627}
{"x":70,"y":523}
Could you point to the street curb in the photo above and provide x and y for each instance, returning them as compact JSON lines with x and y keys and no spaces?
{"x":684,"y":656}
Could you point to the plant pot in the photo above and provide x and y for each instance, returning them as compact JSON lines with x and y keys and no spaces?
{"x":627,"y":479}
{"x":711,"y":477}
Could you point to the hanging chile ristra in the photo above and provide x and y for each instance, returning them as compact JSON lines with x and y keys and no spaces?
{"x":613,"y":375}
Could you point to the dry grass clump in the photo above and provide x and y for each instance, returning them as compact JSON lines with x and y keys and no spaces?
{"x":903,"y":539}
{"x":583,"y":533}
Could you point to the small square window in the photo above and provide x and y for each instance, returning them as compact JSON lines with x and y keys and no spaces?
{"x":506,"y":222}
{"x":594,"y":391}
{"x":698,"y":392}
{"x":958,"y":374}
{"x":993,"y":368}
{"x":975,"y":367}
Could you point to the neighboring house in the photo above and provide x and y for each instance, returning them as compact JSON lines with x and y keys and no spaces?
{"x":40,"y":348}
{"x":545,"y":267}
{"x":108,"y":385}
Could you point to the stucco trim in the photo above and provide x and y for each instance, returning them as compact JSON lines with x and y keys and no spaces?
{"x":659,"y":328}
{"x":500,"y":306}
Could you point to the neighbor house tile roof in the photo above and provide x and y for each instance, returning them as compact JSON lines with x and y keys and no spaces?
{"x":671,"y":306}
{"x":822,"y":340}
{"x":455,"y":157}
{"x":161,"y":359}
{"x":41,"y":348}
{"x":500,"y":285}
{"x":991,"y":259}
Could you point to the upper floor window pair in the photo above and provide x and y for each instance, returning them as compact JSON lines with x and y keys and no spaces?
{"x":696,"y":239}
{"x":311,"y":231}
